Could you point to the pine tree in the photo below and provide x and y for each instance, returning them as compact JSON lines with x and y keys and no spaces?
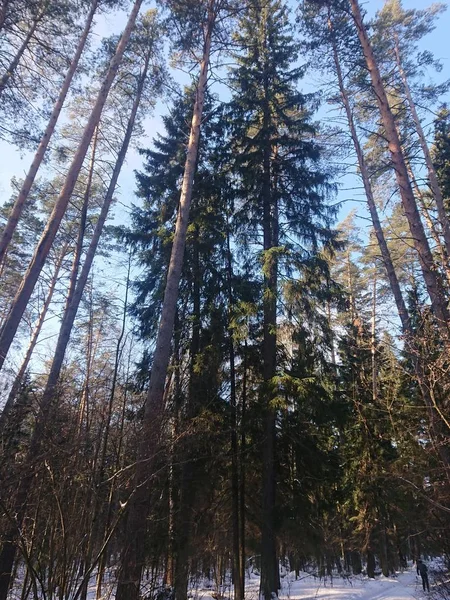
{"x":29,"y":281}
{"x":203,"y":24}
{"x":432,"y":280}
{"x":45,"y":140}
{"x":199,"y":336}
{"x":398,"y":32}
{"x":36,"y":42}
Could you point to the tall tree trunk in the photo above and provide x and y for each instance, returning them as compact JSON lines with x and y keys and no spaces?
{"x":430,"y":223}
{"x":242,"y":470}
{"x":425,"y":211}
{"x":364,"y":172}
{"x":8,"y":552}
{"x":82,"y":226}
{"x":269,"y":563}
{"x":373,"y":340}
{"x":431,"y":278}
{"x":432,"y":176}
{"x":72,"y":309}
{"x":132,"y":557}
{"x":237,"y":574}
{"x":394,"y":283}
{"x":169,"y":574}
{"x":15,"y":61}
{"x":21,"y":199}
{"x":33,"y":341}
{"x":11,"y":324}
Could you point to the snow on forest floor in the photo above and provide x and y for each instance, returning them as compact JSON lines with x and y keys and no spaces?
{"x":403,"y":586}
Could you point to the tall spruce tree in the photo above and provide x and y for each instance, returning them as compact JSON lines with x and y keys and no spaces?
{"x":200,"y":322}
{"x":281,"y":204}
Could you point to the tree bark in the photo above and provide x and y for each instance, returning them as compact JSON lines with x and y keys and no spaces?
{"x":379,"y":233}
{"x":431,"y":278}
{"x":432,"y":176}
{"x":132,"y":560}
{"x":15,"y":61}
{"x":34,"y":338}
{"x":8,"y":552}
{"x":431,"y":225}
{"x":11,"y":324}
{"x":237,"y":574}
{"x":242,"y":470}
{"x":72,"y":309}
{"x":19,"y":204}
{"x":269,"y":563}
{"x":82,"y":226}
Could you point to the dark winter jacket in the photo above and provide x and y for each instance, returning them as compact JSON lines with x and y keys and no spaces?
{"x":422,"y":569}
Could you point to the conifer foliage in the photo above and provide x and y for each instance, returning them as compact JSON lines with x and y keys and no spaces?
{"x":226,"y":382}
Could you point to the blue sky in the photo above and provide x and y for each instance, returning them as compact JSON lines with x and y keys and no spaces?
{"x":13,"y":163}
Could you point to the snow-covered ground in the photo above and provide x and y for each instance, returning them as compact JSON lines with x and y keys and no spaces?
{"x":404,"y":586}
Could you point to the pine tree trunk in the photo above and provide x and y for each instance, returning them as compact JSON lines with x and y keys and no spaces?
{"x":15,"y":61}
{"x":19,"y":204}
{"x":379,"y":233}
{"x":132,"y":556}
{"x":34,"y":338}
{"x":72,"y":309}
{"x":432,"y":282}
{"x":26,"y":288}
{"x":82,"y":226}
{"x":169,"y":574}
{"x":432,"y":176}
{"x":9,"y":548}
{"x":431,"y":225}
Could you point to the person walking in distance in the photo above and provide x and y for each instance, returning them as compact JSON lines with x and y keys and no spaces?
{"x":422,"y":570}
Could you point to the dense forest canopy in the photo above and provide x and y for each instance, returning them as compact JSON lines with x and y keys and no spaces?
{"x":224,"y":299}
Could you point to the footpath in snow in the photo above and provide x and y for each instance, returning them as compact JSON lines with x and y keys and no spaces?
{"x":404,"y":586}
